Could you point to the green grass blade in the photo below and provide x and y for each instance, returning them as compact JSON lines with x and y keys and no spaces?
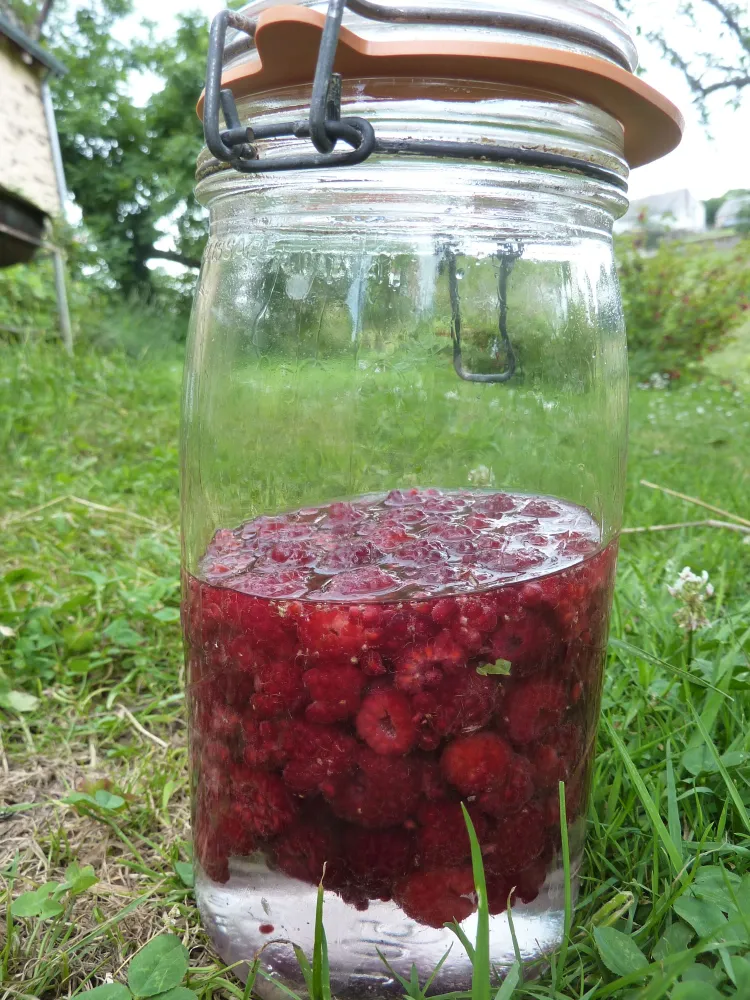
{"x":687,"y":675}
{"x":321,"y":981}
{"x":652,"y":812}
{"x":673,"y":813}
{"x":436,"y":970}
{"x":480,"y":980}
{"x":510,"y":982}
{"x":250,"y":983}
{"x":568,"y":916}
{"x":461,"y":935}
{"x":726,"y":776}
{"x":304,"y":967}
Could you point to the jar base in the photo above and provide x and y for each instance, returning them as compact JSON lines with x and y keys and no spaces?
{"x":261,"y":909}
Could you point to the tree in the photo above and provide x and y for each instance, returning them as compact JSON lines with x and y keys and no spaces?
{"x":716,"y":59}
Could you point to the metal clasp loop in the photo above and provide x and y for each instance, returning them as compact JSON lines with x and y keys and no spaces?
{"x":507,"y":256}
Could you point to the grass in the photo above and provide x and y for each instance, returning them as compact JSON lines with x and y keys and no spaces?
{"x":92,"y":732}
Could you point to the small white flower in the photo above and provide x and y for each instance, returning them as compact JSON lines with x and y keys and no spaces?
{"x":692,"y":592}
{"x":481,"y":476}
{"x":451,"y":395}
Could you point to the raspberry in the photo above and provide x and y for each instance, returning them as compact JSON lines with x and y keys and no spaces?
{"x":404,"y":498}
{"x":288,"y":554}
{"x":460,"y":703}
{"x":215,"y":754}
{"x":385,"y":723}
{"x":267,"y":806}
{"x":455,"y":538}
{"x":304,"y":849}
{"x":519,"y":840}
{"x":236,"y":828}
{"x":418,"y":669}
{"x":513,"y":792}
{"x":213,"y":858}
{"x":382,"y":792}
{"x":513,"y":559}
{"x":375,"y":859}
{"x":495,"y":505}
{"x":529,"y":643}
{"x":345,"y":513}
{"x":448,"y":652}
{"x":419,"y":552}
{"x":370,"y":581}
{"x":532,"y":708}
{"x":445,"y":610}
{"x":266,"y":743}
{"x":372,"y":665}
{"x":388,"y":537}
{"x":278,"y":690}
{"x":331,"y":633}
{"x":321,"y":756}
{"x":477,"y":613}
{"x":437,"y":897}
{"x":348,"y":556}
{"x":442,"y":838}
{"x":499,"y":887}
{"x":279,"y":584}
{"x":433,"y":787}
{"x":556,"y":758}
{"x":530,"y":881}
{"x":335,"y":693}
{"x":476,"y":764}
{"x":540,"y":508}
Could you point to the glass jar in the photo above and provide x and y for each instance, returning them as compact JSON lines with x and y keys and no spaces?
{"x":405,"y":421}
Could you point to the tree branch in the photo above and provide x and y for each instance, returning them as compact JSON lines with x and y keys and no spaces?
{"x":36,"y":31}
{"x":172,"y":255}
{"x":739,"y":82}
{"x":731,"y":22}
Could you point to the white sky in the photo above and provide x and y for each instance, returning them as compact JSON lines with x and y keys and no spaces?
{"x":709,"y":162}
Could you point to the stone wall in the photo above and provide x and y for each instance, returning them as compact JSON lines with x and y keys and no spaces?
{"x":25,"y":157}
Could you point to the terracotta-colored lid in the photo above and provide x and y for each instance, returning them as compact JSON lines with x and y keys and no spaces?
{"x":287,"y":40}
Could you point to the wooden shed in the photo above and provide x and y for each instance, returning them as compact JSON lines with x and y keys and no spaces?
{"x":32,"y":181}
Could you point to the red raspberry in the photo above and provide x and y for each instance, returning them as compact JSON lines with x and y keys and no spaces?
{"x":445,"y":611}
{"x":437,"y":897}
{"x":519,"y":840}
{"x":369,"y":581}
{"x":210,"y":852}
{"x":382,"y":792}
{"x":499,"y":887}
{"x":220,"y":721}
{"x":287,"y":554}
{"x":266,"y":743}
{"x":333,"y":634}
{"x":530,"y":881}
{"x":403,"y":630}
{"x":455,"y":538}
{"x":385,"y":722}
{"x":540,"y":508}
{"x":556,"y":758}
{"x":460,"y":703}
{"x":478,"y":613}
{"x":348,"y":555}
{"x":236,"y":829}
{"x":321,"y":756}
{"x":388,"y":537}
{"x":419,"y":552}
{"x":345,"y":513}
{"x":377,"y":858}
{"x":442,"y":837}
{"x":305,"y":848}
{"x":574,"y":800}
{"x":279,"y":584}
{"x":335,"y":693}
{"x":476,"y":764}
{"x":267,"y":805}
{"x":372,"y":665}
{"x":515,"y":790}
{"x":404,"y":498}
{"x":433,"y":787}
{"x":495,"y":505}
{"x":532,"y":708}
{"x":215,"y":755}
{"x":278,"y":689}
{"x":424,"y":666}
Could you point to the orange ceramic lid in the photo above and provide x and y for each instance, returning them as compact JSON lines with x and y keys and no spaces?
{"x":287,"y":40}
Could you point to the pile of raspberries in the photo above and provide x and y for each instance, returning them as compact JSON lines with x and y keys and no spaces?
{"x":337,"y":739}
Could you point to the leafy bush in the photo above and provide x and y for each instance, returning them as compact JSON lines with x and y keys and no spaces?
{"x":680,"y":301}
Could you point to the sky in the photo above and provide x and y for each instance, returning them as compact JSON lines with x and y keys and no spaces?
{"x":709,"y":162}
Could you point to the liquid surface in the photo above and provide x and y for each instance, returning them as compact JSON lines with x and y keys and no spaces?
{"x":423,"y":649}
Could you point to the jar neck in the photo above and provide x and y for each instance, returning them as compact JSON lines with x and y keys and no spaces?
{"x":386,"y":191}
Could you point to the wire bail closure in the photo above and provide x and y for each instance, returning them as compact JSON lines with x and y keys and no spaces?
{"x":235,"y":144}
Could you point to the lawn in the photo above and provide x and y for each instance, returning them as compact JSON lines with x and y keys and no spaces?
{"x":93,"y":741}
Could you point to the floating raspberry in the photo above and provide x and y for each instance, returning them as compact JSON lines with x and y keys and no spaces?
{"x":455,"y":538}
{"x":382,"y":792}
{"x":278,"y":689}
{"x":320,"y":757}
{"x":437,"y":897}
{"x":388,"y":537}
{"x":556,"y":758}
{"x":442,"y":837}
{"x":376,"y":859}
{"x":308,"y":848}
{"x":532,"y":708}
{"x":348,"y":555}
{"x":372,"y":665}
{"x":357,"y":583}
{"x":513,"y":792}
{"x":495,"y":505}
{"x":404,"y":498}
{"x":210,"y":852}
{"x":384,"y":722}
{"x":499,"y":889}
{"x":287,"y":554}
{"x":476,"y":764}
{"x":419,"y":552}
{"x":540,"y":508}
{"x":265,"y":582}
{"x":335,"y":693}
{"x":267,"y":805}
{"x":445,"y":611}
{"x":530,"y":881}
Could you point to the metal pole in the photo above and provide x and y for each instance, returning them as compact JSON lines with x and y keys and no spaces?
{"x":58,"y":258}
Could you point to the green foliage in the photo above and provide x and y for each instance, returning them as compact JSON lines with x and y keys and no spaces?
{"x":680,"y":301}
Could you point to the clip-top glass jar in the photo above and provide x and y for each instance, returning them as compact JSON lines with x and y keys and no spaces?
{"x":405,"y":422}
